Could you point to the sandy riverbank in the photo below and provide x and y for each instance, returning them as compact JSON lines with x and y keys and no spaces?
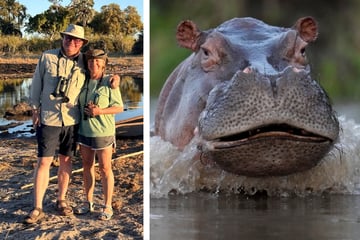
{"x":17,"y":161}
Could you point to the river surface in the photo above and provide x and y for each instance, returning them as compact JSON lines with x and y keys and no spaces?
{"x":322,"y":203}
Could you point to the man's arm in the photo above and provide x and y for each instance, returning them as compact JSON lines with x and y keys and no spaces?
{"x":35,"y":92}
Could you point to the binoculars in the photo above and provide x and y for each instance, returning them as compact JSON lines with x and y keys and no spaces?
{"x":61,"y":90}
{"x":86,"y":117}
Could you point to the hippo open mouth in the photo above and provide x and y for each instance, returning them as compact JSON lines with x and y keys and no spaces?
{"x":278,"y":131}
{"x":269,"y":150}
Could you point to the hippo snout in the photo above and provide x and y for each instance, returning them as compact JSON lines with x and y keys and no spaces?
{"x":250,"y":100}
{"x":261,"y":125}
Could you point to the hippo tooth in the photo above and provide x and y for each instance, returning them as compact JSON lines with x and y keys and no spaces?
{"x":247,"y":70}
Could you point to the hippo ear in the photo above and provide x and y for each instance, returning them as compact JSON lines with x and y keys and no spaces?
{"x":188,"y":35}
{"x":307,"y":28}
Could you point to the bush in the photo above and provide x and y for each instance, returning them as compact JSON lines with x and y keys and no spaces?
{"x":10,"y":45}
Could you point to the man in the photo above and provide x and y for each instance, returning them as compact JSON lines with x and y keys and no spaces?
{"x":56,"y":85}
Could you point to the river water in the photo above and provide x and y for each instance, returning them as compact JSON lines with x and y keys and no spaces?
{"x":322,"y":203}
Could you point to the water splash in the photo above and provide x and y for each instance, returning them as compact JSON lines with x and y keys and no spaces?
{"x":183,"y":172}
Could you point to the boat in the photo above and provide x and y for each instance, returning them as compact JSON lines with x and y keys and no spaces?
{"x":129,"y":126}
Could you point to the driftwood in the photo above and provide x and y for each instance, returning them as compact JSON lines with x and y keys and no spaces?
{"x":82,"y":169}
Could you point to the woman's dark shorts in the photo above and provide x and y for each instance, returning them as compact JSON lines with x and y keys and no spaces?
{"x":97,"y":143}
{"x":51,"y":138}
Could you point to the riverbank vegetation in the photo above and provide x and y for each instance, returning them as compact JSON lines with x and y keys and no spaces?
{"x":15,"y":45}
{"x":20,"y":33}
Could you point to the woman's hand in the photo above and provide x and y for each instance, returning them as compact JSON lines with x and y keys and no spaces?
{"x":92,"y":109}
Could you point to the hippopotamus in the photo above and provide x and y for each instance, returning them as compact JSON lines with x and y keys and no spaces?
{"x":247,"y":96}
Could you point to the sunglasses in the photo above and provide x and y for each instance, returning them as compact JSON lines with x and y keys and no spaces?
{"x":71,"y":38}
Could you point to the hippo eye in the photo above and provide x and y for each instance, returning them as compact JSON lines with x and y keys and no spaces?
{"x":209,"y":58}
{"x":206,"y":52}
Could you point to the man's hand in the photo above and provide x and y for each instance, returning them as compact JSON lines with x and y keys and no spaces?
{"x":115,"y":81}
{"x":36,"y":118}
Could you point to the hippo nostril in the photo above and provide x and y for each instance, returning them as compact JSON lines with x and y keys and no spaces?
{"x":299,"y":70}
{"x":247,"y":70}
{"x":295,"y":69}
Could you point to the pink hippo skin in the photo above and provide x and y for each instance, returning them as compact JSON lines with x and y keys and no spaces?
{"x":247,"y":94}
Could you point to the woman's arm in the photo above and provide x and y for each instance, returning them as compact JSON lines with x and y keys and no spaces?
{"x":94,"y":110}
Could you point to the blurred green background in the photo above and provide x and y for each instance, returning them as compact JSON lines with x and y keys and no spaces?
{"x":334,"y":57}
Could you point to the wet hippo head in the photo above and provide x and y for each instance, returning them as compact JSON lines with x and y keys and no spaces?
{"x":247,"y":95}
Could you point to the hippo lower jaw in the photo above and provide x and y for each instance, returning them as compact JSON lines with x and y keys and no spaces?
{"x":273,"y":150}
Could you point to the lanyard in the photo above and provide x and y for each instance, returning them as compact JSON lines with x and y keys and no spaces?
{"x":98,"y":84}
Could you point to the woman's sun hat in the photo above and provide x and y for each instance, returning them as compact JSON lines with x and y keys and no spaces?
{"x":96,"y":54}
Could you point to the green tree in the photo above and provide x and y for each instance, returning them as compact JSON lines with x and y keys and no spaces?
{"x":12,"y":12}
{"x":112,"y":18}
{"x":138,"y":47}
{"x":50,"y":22}
{"x":55,"y":3}
{"x":132,"y":23}
{"x":97,"y":23}
{"x":113,"y":21}
{"x":12,"y":17}
{"x":8,"y":28}
{"x":83,"y":11}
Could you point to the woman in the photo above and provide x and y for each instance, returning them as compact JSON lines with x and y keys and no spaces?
{"x":98,"y":103}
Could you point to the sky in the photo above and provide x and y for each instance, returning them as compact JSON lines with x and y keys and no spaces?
{"x":35,"y":7}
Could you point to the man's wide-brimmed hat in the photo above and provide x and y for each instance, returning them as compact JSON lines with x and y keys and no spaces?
{"x":96,"y":54}
{"x":75,"y":31}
